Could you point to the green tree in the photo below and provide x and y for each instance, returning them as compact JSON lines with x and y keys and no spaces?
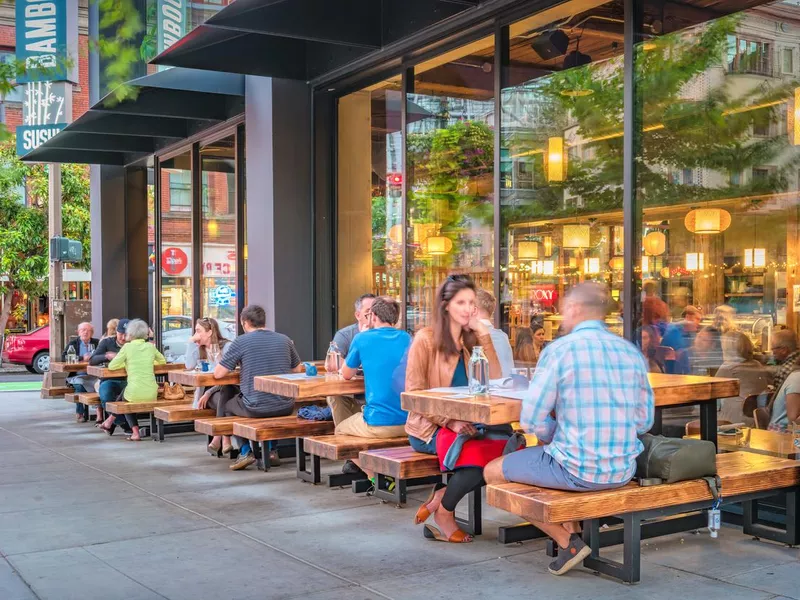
{"x":24,"y":224}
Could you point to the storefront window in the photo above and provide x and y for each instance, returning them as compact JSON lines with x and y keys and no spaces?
{"x":718,"y":180}
{"x":151,"y":245}
{"x":175,"y":259}
{"x":450,"y":170}
{"x":561,"y":171}
{"x":218,"y":259}
{"x":370,"y":181}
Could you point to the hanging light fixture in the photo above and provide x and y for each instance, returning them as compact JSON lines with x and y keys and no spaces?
{"x":548,"y":245}
{"x":437,"y":245}
{"x":576,"y":236}
{"x":591,"y":266}
{"x":555,"y":159}
{"x":707,"y":220}
{"x":755,"y":258}
{"x":617,"y":263}
{"x":695,"y":261}
{"x":665,"y":272}
{"x":654,"y":243}
{"x":527,"y":250}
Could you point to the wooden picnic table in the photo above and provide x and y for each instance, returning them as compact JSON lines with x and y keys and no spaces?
{"x":759,"y":441}
{"x":106,"y":373}
{"x":299,"y":387}
{"x":201,"y":379}
{"x":495,"y":409}
{"x":62,"y":367}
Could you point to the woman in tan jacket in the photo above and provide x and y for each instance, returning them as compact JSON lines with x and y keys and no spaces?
{"x":439,"y":357}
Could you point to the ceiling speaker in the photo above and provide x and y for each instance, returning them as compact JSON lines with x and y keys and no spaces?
{"x":552,"y":45}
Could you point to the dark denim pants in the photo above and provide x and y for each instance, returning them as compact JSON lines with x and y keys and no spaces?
{"x":110,"y":389}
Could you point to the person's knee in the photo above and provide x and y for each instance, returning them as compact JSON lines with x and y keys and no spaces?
{"x":493,"y":472}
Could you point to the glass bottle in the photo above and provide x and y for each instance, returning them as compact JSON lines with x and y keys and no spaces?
{"x":478,"y":372}
{"x":71,"y":356}
{"x":333,"y":359}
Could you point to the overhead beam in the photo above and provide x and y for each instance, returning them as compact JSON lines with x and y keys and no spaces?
{"x":132,"y":125}
{"x":171,"y":103}
{"x":88,"y":157}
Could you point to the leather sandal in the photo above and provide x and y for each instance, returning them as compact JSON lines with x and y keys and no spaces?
{"x":423,"y":513}
{"x":459,"y":537}
{"x":227,"y":450}
{"x":213,"y":449}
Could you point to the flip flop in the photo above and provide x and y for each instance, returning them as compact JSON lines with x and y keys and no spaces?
{"x":130,"y":439}
{"x":459,"y":537}
{"x":423,"y":513}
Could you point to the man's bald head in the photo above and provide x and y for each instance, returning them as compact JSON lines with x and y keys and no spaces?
{"x":586,"y":301}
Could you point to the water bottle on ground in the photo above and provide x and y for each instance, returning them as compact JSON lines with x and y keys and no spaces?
{"x":478,"y":372}
{"x":333,"y":359}
{"x":72,"y":358}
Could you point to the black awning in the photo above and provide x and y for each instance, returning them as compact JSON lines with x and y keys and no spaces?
{"x":303,"y":39}
{"x":169,"y":105}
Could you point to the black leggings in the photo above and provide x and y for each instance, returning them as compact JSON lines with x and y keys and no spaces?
{"x":462,"y":482}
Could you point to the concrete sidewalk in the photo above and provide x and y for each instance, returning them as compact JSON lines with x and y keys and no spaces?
{"x":85,"y":516}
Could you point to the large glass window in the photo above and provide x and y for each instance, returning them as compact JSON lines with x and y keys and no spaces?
{"x":450,"y":170}
{"x":218,"y":254}
{"x":369,"y":194}
{"x":561,"y":172}
{"x":175,"y":261}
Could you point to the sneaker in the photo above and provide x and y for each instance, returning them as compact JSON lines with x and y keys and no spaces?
{"x":350,"y":468}
{"x":274,"y":459}
{"x":243,"y":462}
{"x":570,"y":556}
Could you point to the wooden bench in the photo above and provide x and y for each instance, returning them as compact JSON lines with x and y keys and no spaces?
{"x":177,"y":413}
{"x":278,"y":428}
{"x":73,"y":397}
{"x":337,"y":447}
{"x":89,"y":398}
{"x":746,"y":478}
{"x":409,"y":467}
{"x":55,"y":391}
{"x":140,"y":408}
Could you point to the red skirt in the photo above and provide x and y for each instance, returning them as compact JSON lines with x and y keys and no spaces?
{"x":474,"y":453}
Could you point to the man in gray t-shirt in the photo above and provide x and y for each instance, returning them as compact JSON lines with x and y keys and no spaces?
{"x":258,"y":352}
{"x":344,"y":337}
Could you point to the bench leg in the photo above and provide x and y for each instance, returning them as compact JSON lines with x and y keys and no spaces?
{"x":86,"y":412}
{"x":399,"y":496}
{"x":752,"y":525}
{"x":630,"y":569}
{"x":159,"y":437}
{"x":474,"y":523}
{"x":265,"y":455}
{"x":313,"y":475}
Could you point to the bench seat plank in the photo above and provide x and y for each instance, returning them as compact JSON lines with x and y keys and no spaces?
{"x":89,"y":398}
{"x":128,"y":408}
{"x":741,"y":473}
{"x":278,"y":428}
{"x":400,"y":463}
{"x":219,"y":425}
{"x":55,"y":391}
{"x":178,"y":413}
{"x":341,"y":447}
{"x":71,"y":397}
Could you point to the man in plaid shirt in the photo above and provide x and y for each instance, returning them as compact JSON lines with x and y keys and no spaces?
{"x":589,"y":400}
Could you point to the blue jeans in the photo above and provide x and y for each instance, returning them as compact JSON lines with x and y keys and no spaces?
{"x":424,"y":447}
{"x":110,"y":389}
{"x":80,"y":409}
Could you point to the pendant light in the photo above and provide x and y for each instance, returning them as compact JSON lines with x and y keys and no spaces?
{"x":527,"y":250}
{"x":437,"y":245}
{"x":617,"y":263}
{"x":555,"y":159}
{"x":575,"y":236}
{"x":755,"y":258}
{"x":654,"y":243}
{"x":707,"y":220}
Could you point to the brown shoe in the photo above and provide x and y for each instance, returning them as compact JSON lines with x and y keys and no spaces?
{"x":243,"y":462}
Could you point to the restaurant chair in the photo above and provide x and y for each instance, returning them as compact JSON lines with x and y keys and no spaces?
{"x":754,"y":401}
{"x":762,"y":417}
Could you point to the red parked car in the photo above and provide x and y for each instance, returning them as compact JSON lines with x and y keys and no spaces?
{"x":31,"y":349}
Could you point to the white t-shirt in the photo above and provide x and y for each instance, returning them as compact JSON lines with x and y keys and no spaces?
{"x":780,"y":420}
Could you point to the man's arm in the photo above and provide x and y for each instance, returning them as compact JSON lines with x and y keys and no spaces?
{"x":230,"y":359}
{"x":99,"y":356}
{"x":644,"y":413}
{"x":353,"y":361}
{"x":542,"y":398}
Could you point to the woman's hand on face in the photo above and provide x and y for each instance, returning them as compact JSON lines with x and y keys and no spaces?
{"x":463,"y":427}
{"x":203,"y":400}
{"x":476,"y":325}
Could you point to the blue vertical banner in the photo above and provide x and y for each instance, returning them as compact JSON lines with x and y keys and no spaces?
{"x":173,"y":22}
{"x":47,"y":40}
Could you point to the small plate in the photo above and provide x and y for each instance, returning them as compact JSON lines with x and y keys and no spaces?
{"x":730,"y":432}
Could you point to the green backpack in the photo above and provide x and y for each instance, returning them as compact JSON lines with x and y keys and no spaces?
{"x":667,"y":460}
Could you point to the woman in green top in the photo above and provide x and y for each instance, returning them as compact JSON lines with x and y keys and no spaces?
{"x":137,"y":357}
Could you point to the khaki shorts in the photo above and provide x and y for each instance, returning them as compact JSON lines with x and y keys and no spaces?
{"x":356,"y":426}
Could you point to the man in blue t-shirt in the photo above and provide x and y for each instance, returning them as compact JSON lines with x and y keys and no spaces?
{"x":381,"y":351}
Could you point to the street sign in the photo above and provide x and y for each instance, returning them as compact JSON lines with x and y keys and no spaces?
{"x":46,"y":110}
{"x":47,"y":40}
{"x":222,"y":295}
{"x":172,"y":22}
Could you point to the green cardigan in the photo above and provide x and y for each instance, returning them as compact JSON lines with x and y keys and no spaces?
{"x":137,"y":358}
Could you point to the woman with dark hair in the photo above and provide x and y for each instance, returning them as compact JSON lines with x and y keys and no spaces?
{"x":439,"y":357}
{"x":648,"y":341}
{"x":530,"y":343}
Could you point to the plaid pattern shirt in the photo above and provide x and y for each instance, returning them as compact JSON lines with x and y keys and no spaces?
{"x":596,"y":382}
{"x":785,"y":369}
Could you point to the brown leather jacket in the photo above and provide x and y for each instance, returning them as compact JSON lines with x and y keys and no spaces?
{"x":428,"y":368}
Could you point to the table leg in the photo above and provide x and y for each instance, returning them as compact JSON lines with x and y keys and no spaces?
{"x":708,"y":421}
{"x":656,"y":428}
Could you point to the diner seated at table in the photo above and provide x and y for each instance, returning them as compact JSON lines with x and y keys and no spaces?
{"x":138,"y":357}
{"x":648,"y":339}
{"x":110,"y":389}
{"x":588,"y":402}
{"x":680,"y":337}
{"x":381,"y":351}
{"x":83,"y":347}
{"x":259,"y":351}
{"x":787,"y":356}
{"x":738,"y":363}
{"x":529,"y":345}
{"x":111,"y":329}
{"x":785,"y":409}
{"x":485,"y":303}
{"x":344,"y":337}
{"x":439,"y":357}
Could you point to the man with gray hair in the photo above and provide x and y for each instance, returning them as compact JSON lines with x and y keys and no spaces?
{"x":784,"y":349}
{"x":83,"y":346}
{"x":595,"y":383}
{"x":344,"y":337}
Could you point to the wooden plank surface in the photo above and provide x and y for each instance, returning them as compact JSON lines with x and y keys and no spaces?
{"x":56,"y":391}
{"x":278,"y":428}
{"x":309,"y":387}
{"x":219,"y":425}
{"x":106,"y":373}
{"x":71,"y":397}
{"x":400,"y":463}
{"x":181,"y":412}
{"x":201,"y":379}
{"x":759,"y":441}
{"x":62,"y":367}
{"x":669,"y":391}
{"x":341,"y":447}
{"x":129,"y":408}
{"x":89,"y":398}
{"x":741,"y":473}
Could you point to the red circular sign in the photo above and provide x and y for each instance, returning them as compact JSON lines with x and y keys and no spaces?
{"x":173,"y":260}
